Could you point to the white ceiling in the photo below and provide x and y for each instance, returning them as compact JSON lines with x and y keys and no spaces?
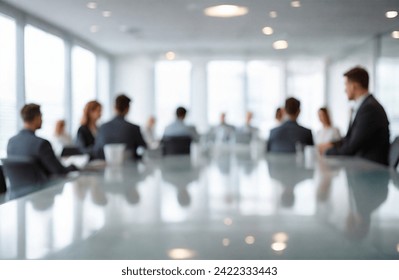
{"x":318,"y":27}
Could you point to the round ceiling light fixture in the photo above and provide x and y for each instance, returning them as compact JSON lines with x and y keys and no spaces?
{"x":267,"y":30}
{"x":226,"y":11}
{"x":391,"y":14}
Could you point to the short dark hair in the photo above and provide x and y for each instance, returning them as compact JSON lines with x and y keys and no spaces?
{"x":292,"y":106}
{"x":30,"y":111}
{"x":358,"y":75}
{"x":122,"y":102}
{"x":181,"y":112}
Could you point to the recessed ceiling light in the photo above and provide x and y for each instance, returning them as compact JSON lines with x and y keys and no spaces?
{"x":391,"y":14}
{"x":107,"y":13}
{"x":395,"y":34}
{"x":226,"y":11}
{"x":94,"y":28}
{"x":295,"y":4}
{"x":92,"y":5}
{"x":267,"y":30}
{"x":273,"y":14}
{"x":280,"y":45}
{"x":170,"y":55}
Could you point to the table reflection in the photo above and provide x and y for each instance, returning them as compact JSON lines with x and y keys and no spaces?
{"x":230,"y":205}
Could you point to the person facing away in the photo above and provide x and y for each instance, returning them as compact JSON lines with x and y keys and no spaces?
{"x":179,"y":128}
{"x":327,"y":133}
{"x":87,"y":131}
{"x":27,"y":144}
{"x":368,"y":132}
{"x":118,"y":130}
{"x":284,"y":138}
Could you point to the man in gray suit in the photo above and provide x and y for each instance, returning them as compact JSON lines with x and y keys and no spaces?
{"x":118,"y":130}
{"x":179,"y":128}
{"x":284,"y":138}
{"x":27,"y":144}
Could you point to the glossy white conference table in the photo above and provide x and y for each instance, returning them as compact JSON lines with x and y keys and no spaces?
{"x":231,"y":205}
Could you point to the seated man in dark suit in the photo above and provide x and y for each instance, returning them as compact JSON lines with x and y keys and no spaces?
{"x":368,"y":132}
{"x":118,"y":130}
{"x":285,"y":137}
{"x":27,"y":144}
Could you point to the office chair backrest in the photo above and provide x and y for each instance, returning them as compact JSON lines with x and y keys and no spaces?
{"x":3,"y":186}
{"x":23,"y":171}
{"x":176,"y":145}
{"x":70,"y":151}
{"x":394,"y":153}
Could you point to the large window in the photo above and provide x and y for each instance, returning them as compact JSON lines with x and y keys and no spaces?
{"x":83,"y":82}
{"x":226,"y":91}
{"x":45,"y":76}
{"x":172,"y":89}
{"x":306,"y":83}
{"x":8,"y":114}
{"x":265,"y":93}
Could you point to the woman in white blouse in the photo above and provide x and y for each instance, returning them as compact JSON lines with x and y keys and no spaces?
{"x":328,"y":133}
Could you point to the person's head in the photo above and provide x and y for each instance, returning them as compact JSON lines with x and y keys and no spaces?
{"x":59,"y":127}
{"x":151,"y":121}
{"x":279,"y":114}
{"x":91,"y":113}
{"x":292,"y":108}
{"x":223,"y":118}
{"x":356,"y":82}
{"x":31,"y":116}
{"x":248,"y":117}
{"x":181,"y":113}
{"x":122,"y":104}
{"x":324,"y":117}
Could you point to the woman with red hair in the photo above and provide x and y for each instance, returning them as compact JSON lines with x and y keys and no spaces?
{"x":88,"y":126}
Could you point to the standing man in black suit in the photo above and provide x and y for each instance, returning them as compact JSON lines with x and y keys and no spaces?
{"x":368,"y":132}
{"x":118,"y":130}
{"x":27,"y":144}
{"x":284,"y":138}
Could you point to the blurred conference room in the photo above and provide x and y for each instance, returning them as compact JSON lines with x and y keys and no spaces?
{"x":230,"y":200}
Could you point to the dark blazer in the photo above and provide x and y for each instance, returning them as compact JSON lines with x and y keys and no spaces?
{"x":27,"y":144}
{"x":84,"y":139}
{"x":118,"y":130}
{"x":368,"y":136}
{"x":284,"y":137}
